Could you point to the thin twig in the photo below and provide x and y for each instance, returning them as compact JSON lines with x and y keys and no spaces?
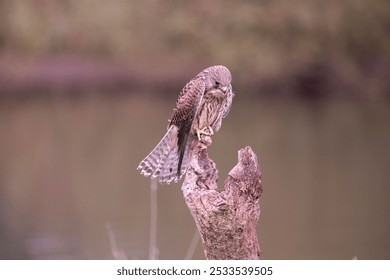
{"x":116,"y":253}
{"x":153,"y":251}
{"x":194,"y":243}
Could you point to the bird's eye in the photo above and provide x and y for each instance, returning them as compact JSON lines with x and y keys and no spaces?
{"x":217,"y":84}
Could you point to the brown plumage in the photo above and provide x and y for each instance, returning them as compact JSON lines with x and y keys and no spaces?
{"x":202,"y":104}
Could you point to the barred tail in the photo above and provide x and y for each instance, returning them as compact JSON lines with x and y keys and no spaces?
{"x":175,"y":166}
{"x":162,"y":157}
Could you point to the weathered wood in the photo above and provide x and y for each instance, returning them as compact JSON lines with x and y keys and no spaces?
{"x":226,"y":219}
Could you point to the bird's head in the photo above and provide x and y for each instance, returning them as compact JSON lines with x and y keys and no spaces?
{"x":218,"y":77}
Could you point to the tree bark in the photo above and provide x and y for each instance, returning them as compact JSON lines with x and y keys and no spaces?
{"x":226,"y":219}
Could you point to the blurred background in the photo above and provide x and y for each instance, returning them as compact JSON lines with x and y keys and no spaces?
{"x":87,"y":87}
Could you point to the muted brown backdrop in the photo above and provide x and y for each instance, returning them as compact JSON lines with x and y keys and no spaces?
{"x":86,"y":88}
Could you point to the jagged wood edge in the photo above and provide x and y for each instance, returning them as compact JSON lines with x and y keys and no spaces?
{"x":226,"y":218}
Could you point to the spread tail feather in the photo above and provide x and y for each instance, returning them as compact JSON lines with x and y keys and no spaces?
{"x":163,"y":160}
{"x":175,"y":166}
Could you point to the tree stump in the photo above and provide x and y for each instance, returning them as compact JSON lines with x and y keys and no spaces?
{"x":226,"y":218}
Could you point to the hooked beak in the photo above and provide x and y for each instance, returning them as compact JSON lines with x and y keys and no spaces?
{"x":224,"y":89}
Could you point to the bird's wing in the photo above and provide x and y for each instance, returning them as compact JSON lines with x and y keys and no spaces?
{"x":186,"y":109}
{"x":229,"y":101}
{"x":188,"y":102}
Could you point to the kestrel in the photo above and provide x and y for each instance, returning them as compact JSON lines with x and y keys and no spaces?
{"x":202,"y":104}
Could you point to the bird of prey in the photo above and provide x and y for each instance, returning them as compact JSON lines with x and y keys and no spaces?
{"x":202,"y":104}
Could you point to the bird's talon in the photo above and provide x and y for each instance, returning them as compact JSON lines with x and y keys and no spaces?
{"x":208,"y":131}
{"x":198,"y":134}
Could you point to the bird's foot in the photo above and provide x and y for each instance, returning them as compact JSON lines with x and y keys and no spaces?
{"x":211,"y":130}
{"x":208,"y":130}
